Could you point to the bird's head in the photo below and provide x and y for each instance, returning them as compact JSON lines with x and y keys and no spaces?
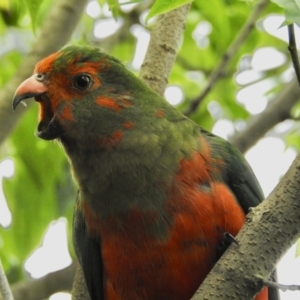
{"x":79,"y":87}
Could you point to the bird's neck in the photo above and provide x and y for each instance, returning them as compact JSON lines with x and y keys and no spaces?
{"x":131,"y":167}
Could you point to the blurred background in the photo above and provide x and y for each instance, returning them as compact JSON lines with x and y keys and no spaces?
{"x":253,"y":102}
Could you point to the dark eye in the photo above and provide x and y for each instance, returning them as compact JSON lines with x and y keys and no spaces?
{"x":82,"y":81}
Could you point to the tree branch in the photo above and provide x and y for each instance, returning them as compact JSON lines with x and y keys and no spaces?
{"x":5,"y":292}
{"x":44,"y":287}
{"x":217,"y":74}
{"x":270,"y":230}
{"x":161,"y":53}
{"x":130,"y":18}
{"x":277,"y":111}
{"x":283,"y":287}
{"x":55,"y":33}
{"x":79,"y":289}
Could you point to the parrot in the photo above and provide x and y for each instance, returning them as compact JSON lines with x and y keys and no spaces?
{"x":156,"y":192}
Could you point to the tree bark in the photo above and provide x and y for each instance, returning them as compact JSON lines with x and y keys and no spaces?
{"x":79,"y":289}
{"x":5,"y":292}
{"x":270,"y":230}
{"x":162,"y":50}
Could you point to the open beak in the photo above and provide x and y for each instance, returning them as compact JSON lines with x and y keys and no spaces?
{"x":48,"y":128}
{"x":28,"y":89}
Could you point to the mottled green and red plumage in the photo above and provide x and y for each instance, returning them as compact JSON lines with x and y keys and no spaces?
{"x":156,"y":192}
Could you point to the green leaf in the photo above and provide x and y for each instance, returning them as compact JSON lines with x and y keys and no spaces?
{"x":33,"y":8}
{"x":164,"y":6}
{"x":32,"y":194}
{"x":11,"y":12}
{"x":4,"y":4}
{"x":9,"y":62}
{"x":114,"y":7}
{"x":291,"y":10}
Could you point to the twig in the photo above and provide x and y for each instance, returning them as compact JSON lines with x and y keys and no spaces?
{"x":131,"y":18}
{"x":283,"y":287}
{"x":293,"y":51}
{"x":277,"y":111}
{"x":217,"y":74}
{"x":4,"y":286}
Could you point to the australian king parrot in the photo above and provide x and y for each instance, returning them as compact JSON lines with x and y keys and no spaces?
{"x":156,"y":191}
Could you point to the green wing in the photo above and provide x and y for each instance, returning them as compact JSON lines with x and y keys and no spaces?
{"x":235,"y":172}
{"x":239,"y":176}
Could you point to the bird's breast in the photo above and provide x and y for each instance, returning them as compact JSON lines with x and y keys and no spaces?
{"x":165,"y":253}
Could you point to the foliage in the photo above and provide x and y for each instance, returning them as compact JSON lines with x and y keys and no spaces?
{"x":163,"y":6}
{"x":38,"y":192}
{"x":291,"y":10}
{"x":34,"y":193}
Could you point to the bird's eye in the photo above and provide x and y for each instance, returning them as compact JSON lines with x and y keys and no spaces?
{"x":39,"y":76}
{"x":82,"y":81}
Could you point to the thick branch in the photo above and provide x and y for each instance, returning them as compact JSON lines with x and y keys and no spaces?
{"x":44,"y":287}
{"x":277,"y":111}
{"x":270,"y":230}
{"x":217,"y":74}
{"x":55,"y":33}
{"x":161,"y":53}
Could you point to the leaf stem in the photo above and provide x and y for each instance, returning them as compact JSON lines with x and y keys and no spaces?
{"x":293,"y":50}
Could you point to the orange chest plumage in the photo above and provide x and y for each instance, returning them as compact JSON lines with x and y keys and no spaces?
{"x":172,"y":268}
{"x":197,"y":212}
